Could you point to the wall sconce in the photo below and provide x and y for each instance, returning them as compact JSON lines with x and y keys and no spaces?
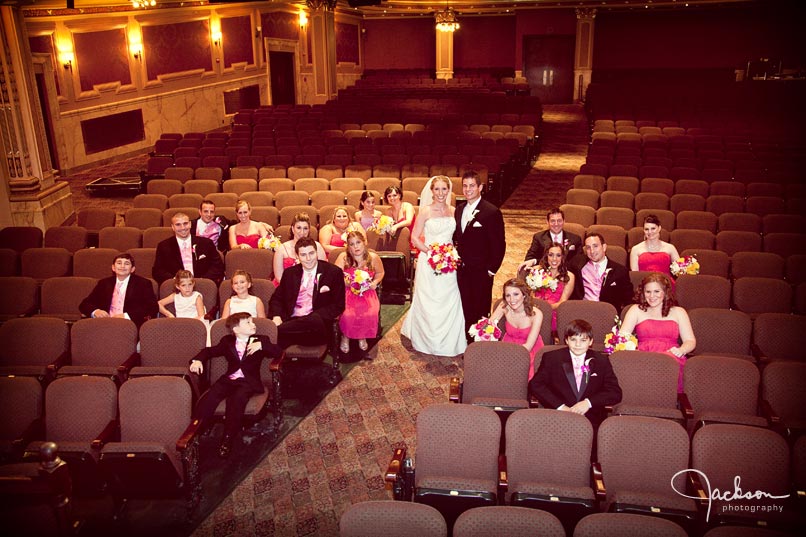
{"x":67,"y":57}
{"x":216,"y":35}
{"x":137,"y":51}
{"x":303,"y":19}
{"x":258,"y":30}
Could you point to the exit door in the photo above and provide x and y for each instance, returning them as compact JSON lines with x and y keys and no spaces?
{"x":281,"y":75}
{"x":549,"y":67}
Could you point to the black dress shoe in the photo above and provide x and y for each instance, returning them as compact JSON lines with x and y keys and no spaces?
{"x":226,"y":447}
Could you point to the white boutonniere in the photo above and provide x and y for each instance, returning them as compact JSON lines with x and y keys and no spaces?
{"x":318,"y":277}
{"x":474,"y":213}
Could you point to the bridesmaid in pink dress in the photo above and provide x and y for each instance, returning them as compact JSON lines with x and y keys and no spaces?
{"x":367,"y":213}
{"x":659,"y":324}
{"x":653,"y":254}
{"x":333,"y":233}
{"x":285,"y":256}
{"x":246,"y":233}
{"x":360,"y":317}
{"x":554,"y":262}
{"x":402,"y":212}
{"x":519,"y":319}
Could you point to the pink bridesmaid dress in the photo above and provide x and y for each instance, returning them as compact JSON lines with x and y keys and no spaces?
{"x":519,"y":336}
{"x":659,"y":335}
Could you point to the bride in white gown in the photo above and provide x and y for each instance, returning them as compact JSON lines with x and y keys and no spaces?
{"x":435,"y":323}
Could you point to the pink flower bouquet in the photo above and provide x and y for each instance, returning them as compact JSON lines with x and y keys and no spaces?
{"x":615,"y":341}
{"x":443,"y":258}
{"x":382,"y":225}
{"x":484,"y":330}
{"x":269,"y":242}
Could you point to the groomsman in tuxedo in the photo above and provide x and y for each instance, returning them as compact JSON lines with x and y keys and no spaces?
{"x":542,"y":240}
{"x":599,"y":278}
{"x":210,"y":226}
{"x":577,"y":379}
{"x":187,"y":251}
{"x":308,"y":300}
{"x":125,"y":294}
{"x":481,"y":243}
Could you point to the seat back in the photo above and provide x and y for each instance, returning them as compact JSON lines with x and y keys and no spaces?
{"x":548,"y":459}
{"x":619,"y":524}
{"x":19,"y":295}
{"x":391,"y":519}
{"x":258,"y":262}
{"x":762,"y":295}
{"x":495,"y":373}
{"x":600,"y":315}
{"x":62,"y":296}
{"x":120,"y":238}
{"x":647,"y":465}
{"x":96,"y":218}
{"x":721,"y":331}
{"x":757,"y":264}
{"x":507,"y":520}
{"x":104,"y":341}
{"x":72,"y":238}
{"x":77,"y":409}
{"x":33,"y":341}
{"x":21,"y":401}
{"x":782,"y":388}
{"x":646,"y":378}
{"x":445,"y":430}
{"x":143,"y":217}
{"x":721,"y":384}
{"x":20,"y":238}
{"x":154,"y":410}
{"x":171,"y":342}
{"x":94,"y":262}
{"x":702,"y":291}
{"x":772,"y":333}
{"x":43,"y":263}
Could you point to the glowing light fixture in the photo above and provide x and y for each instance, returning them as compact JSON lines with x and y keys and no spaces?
{"x":446,"y":19}
{"x":136,"y":4}
{"x":303,"y":18}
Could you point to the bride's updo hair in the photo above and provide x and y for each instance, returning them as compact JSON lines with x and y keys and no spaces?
{"x":668,"y":294}
{"x":528,"y":301}
{"x":443,"y":178}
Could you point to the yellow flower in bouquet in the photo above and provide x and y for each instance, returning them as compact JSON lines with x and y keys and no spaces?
{"x":687,"y":264}
{"x":484,"y":330}
{"x":443,"y":258}
{"x":540,"y":278}
{"x":615,"y":341}
{"x":358,"y":282}
{"x":269,"y":242}
{"x":382,"y":225}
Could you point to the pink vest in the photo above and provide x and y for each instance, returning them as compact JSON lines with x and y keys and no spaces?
{"x":591,"y":282}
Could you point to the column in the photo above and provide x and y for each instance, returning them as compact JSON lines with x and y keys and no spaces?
{"x":30,"y":196}
{"x":323,"y":42}
{"x":583,"y":54}
{"x":444,"y":55}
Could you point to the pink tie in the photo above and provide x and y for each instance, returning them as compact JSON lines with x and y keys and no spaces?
{"x":578,"y":375}
{"x":116,"y":307}
{"x":240,"y":346}
{"x":304,"y":304}
{"x":187,"y":256}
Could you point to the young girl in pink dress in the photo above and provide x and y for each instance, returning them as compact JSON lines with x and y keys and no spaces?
{"x":659,"y":324}
{"x":360,"y":317}
{"x":519,"y":319}
{"x":553,"y":262}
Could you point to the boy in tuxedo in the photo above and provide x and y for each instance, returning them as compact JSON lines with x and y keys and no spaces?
{"x":244,"y":352}
{"x":125,"y":294}
{"x":577,"y":379}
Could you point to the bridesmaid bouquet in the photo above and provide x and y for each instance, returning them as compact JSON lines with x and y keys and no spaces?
{"x":615,"y":341}
{"x":358,"y":282}
{"x":539,"y":278}
{"x":382,"y":225}
{"x":484,"y":330}
{"x":269,"y":242}
{"x":685,"y":265}
{"x":443,"y":258}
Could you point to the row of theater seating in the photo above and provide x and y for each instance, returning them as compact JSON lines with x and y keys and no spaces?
{"x":463,"y":442}
{"x":678,"y":185}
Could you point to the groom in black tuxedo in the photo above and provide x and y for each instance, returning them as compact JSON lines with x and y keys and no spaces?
{"x":576,"y":378}
{"x":481,"y":242}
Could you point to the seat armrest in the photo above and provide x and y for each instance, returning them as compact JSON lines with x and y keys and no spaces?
{"x":277,"y":363}
{"x":188,"y":436}
{"x":685,"y":406}
{"x":455,"y":390}
{"x":598,"y":482}
{"x":394,"y":470}
{"x":106,"y":435}
{"x":533,"y":401}
{"x":63,"y":359}
{"x":34,"y":431}
{"x":769,"y":414}
{"x":503,"y":483}
{"x":131,"y":361}
{"x":758,"y":353}
{"x":695,"y":489}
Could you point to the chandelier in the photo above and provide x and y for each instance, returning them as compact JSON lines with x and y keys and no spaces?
{"x":143,"y":3}
{"x":446,"y":20}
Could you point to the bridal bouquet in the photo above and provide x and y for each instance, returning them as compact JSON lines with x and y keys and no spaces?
{"x":539,"y":278}
{"x":382,"y":225}
{"x":615,"y":341}
{"x":685,"y":265}
{"x":443,"y":258}
{"x":484,"y":330}
{"x":269,"y":242}
{"x":358,"y":282}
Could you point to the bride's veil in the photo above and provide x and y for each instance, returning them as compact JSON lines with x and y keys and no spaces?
{"x":426,"y":197}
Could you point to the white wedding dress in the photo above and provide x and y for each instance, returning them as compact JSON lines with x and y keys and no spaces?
{"x":435,"y":323}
